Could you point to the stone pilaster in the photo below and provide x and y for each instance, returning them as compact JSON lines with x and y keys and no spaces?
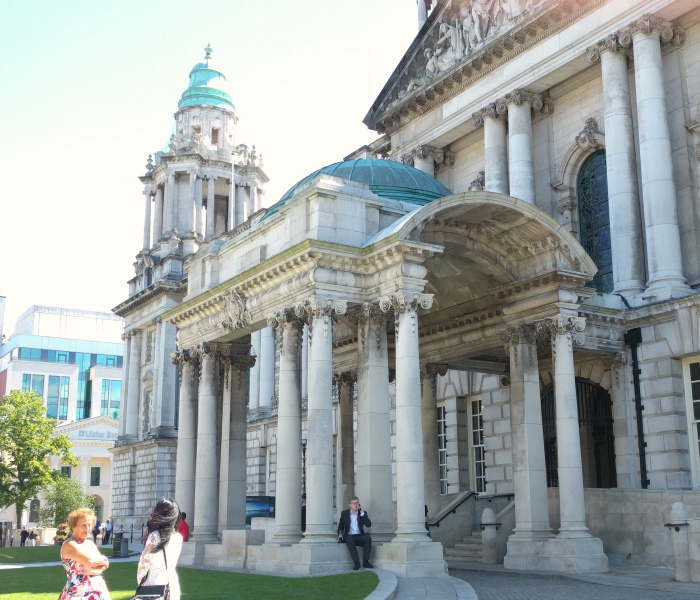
{"x":211,"y":207}
{"x":431,"y":458}
{"x":521,"y":166}
{"x":193,"y":201}
{"x":158,"y":216}
{"x":345,"y":441}
{"x":148,"y":193}
{"x":493,"y":118}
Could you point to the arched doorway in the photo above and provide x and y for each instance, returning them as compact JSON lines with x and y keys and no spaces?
{"x":596,"y":432}
{"x":594,"y":218}
{"x":99,"y":503}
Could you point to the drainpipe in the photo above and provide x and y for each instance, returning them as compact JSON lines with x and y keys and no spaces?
{"x":633,"y":338}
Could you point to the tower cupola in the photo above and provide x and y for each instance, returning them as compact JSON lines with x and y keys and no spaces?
{"x":207,"y":86}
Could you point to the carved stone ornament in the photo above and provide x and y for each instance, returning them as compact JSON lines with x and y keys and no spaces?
{"x":585,"y":139}
{"x":285,"y":319}
{"x":620,"y":41}
{"x":366,"y":314}
{"x":568,"y":203}
{"x":432,"y":370}
{"x":345,"y":378}
{"x":615,"y":362}
{"x":236,"y":313}
{"x":405,"y":302}
{"x":478,"y":184}
{"x":570,"y":328}
{"x":315,"y":311}
{"x":512,"y":337}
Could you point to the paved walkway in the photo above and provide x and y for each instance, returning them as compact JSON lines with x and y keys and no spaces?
{"x":444,"y":587}
{"x":493,"y":582}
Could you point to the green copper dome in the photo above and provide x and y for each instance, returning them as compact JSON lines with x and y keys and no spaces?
{"x":207,"y":86}
{"x":385,"y":178}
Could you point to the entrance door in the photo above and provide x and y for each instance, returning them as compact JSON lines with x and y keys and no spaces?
{"x":595,"y":430}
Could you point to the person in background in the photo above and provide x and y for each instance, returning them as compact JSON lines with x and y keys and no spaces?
{"x":162,"y":550}
{"x":108,"y":532}
{"x":146,"y":532}
{"x":351,"y":530}
{"x":183,"y":528}
{"x":24,"y":534}
{"x":96,"y":530}
{"x":33,"y":537}
{"x":426,"y":522}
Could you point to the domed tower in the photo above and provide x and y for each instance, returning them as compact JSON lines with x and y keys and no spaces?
{"x":200,"y":186}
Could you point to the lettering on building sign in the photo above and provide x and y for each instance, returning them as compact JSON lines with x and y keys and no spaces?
{"x":98,"y":435}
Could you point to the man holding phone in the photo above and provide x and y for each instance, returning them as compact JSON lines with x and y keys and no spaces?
{"x":351,"y":530}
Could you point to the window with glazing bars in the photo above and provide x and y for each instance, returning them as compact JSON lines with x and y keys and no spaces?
{"x":477,"y":443}
{"x":442,"y":449}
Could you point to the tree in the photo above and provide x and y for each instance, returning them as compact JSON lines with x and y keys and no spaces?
{"x":26,"y":441}
{"x":63,"y":497}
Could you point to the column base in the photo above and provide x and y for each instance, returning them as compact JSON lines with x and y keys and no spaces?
{"x":232,"y":552}
{"x":659,"y":291}
{"x":303,"y":559}
{"x":411,"y":559}
{"x":558,"y":554}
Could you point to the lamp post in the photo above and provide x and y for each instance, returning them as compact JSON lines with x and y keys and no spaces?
{"x":303,"y":463}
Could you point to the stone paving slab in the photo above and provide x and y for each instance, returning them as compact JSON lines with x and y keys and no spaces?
{"x":443,"y":587}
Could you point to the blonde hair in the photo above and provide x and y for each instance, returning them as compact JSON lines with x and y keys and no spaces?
{"x":78,"y":514}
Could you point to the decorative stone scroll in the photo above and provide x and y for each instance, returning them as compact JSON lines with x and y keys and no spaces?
{"x":406,"y":302}
{"x":345,"y":378}
{"x":616,"y":363}
{"x":237,"y":363}
{"x":512,"y":337}
{"x":322,"y":311}
{"x":368,"y":313}
{"x":432,"y":370}
{"x":499,"y":108}
{"x":571,"y":328}
{"x":286,"y":319}
{"x":586,"y":138}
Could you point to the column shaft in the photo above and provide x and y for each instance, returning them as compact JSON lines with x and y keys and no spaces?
{"x":232,"y":484}
{"x":169,"y":205}
{"x":231,"y":210}
{"x":267,"y":367}
{"x":187,"y":438}
{"x":425,"y":164}
{"x":288,"y":496}
{"x":125,"y":385}
{"x":132,"y":415}
{"x":319,"y":426}
{"x":253,"y":199}
{"x":241,"y":205}
{"x":410,"y":490}
{"x":254,"y":374}
{"x":431,"y":458}
{"x":206,"y":491}
{"x":165,"y":380}
{"x":495,"y":155}
{"x":305,"y":363}
{"x":623,"y":191}
{"x":345,"y":446}
{"x":198,"y":207}
{"x":211,"y":208}
{"x":521,"y":166}
{"x":158,"y":216}
{"x":659,"y":190}
{"x":147,"y":221}
{"x":193,"y":203}
{"x":373,"y":482}
{"x":529,"y":473}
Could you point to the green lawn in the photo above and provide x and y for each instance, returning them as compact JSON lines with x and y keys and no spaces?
{"x":38,"y":554}
{"x":45,"y":583}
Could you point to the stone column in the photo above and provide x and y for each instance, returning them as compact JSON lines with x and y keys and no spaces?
{"x":305,"y":363}
{"x":198,"y":208}
{"x":84,"y":471}
{"x":163,"y":424}
{"x":319,"y":449}
{"x":267,"y":367}
{"x":495,"y":146}
{"x":521,"y":166}
{"x":211,"y":207}
{"x":241,"y":204}
{"x":169,"y":204}
{"x":253,"y":198}
{"x":424,"y":159}
{"x":232,"y":478}
{"x":659,"y":191}
{"x":345,"y":443}
{"x":565,"y":332}
{"x":186,"y":431}
{"x":288,"y":494}
{"x":431,"y":458}
{"x":624,"y":427}
{"x":374,"y":480}
{"x":148,"y":192}
{"x":158,"y":216}
{"x":132,"y":415}
{"x":193,"y":201}
{"x":126,"y":338}
{"x":623,"y":191}
{"x":206,"y":492}
{"x":231,"y":207}
{"x":254,"y":393}
{"x":410,"y":490}
{"x":529,"y":471}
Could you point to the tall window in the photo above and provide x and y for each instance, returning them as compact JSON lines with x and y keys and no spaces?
{"x":33,"y":383}
{"x":95,"y":476}
{"x":594,"y":218}
{"x":65,"y":471}
{"x":52,"y":397}
{"x":476,"y":440}
{"x":63,"y":399}
{"x":111,"y":397}
{"x":442,"y":448}
{"x":691,"y":376}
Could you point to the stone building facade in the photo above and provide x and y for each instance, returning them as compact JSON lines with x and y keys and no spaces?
{"x":493,"y":302}
{"x":201,"y":185}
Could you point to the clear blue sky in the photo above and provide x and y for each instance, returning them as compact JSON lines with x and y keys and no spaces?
{"x":88,"y":89}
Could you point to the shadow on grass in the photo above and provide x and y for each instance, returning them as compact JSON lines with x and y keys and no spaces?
{"x":45,"y":583}
{"x":37,"y":554}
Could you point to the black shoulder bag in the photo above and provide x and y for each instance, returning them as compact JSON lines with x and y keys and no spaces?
{"x":153,"y":592}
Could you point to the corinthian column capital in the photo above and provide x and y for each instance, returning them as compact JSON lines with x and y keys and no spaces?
{"x":432,"y":370}
{"x":571,"y":328}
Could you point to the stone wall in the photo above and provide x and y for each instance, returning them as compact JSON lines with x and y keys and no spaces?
{"x":123,"y":484}
{"x":155,"y":477}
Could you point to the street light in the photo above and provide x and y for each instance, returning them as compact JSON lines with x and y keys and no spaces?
{"x":303,"y":462}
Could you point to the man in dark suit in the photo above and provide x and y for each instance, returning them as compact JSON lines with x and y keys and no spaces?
{"x":351,"y":530}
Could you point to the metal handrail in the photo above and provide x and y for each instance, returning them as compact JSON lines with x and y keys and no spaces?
{"x":676,"y":525}
{"x":454,"y":509}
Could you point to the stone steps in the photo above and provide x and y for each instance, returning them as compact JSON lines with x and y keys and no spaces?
{"x":470,"y":549}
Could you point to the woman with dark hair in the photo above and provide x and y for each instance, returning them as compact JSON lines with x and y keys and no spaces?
{"x":159,"y":557}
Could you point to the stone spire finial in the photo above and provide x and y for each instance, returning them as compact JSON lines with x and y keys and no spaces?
{"x":149,"y":163}
{"x":208,"y":51}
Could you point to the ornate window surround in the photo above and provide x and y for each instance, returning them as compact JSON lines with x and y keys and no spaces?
{"x":588,"y":141}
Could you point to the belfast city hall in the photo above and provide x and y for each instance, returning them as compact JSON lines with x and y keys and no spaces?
{"x":489,"y":314}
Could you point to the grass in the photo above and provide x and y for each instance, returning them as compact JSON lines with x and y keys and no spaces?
{"x":36,"y":555}
{"x":45,"y":583}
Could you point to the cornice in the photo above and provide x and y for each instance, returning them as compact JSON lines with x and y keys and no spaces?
{"x":530,"y":31}
{"x":152,"y":291}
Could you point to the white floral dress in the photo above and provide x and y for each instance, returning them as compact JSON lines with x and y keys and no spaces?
{"x":153,"y":563}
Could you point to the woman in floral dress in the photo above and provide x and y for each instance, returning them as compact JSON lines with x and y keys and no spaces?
{"x":82,"y":560}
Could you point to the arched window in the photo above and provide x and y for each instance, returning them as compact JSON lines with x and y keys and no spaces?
{"x":594,"y":218}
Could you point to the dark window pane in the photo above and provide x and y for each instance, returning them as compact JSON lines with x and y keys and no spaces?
{"x":65,"y":471}
{"x":94,"y":476}
{"x":696,"y":411}
{"x":52,"y":397}
{"x":63,"y":403}
{"x":696,"y":390}
{"x":26,"y":382}
{"x":38,"y":385}
{"x":695,"y":371}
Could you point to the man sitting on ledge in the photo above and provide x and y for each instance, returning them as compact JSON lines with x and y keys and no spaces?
{"x":351,"y":530}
